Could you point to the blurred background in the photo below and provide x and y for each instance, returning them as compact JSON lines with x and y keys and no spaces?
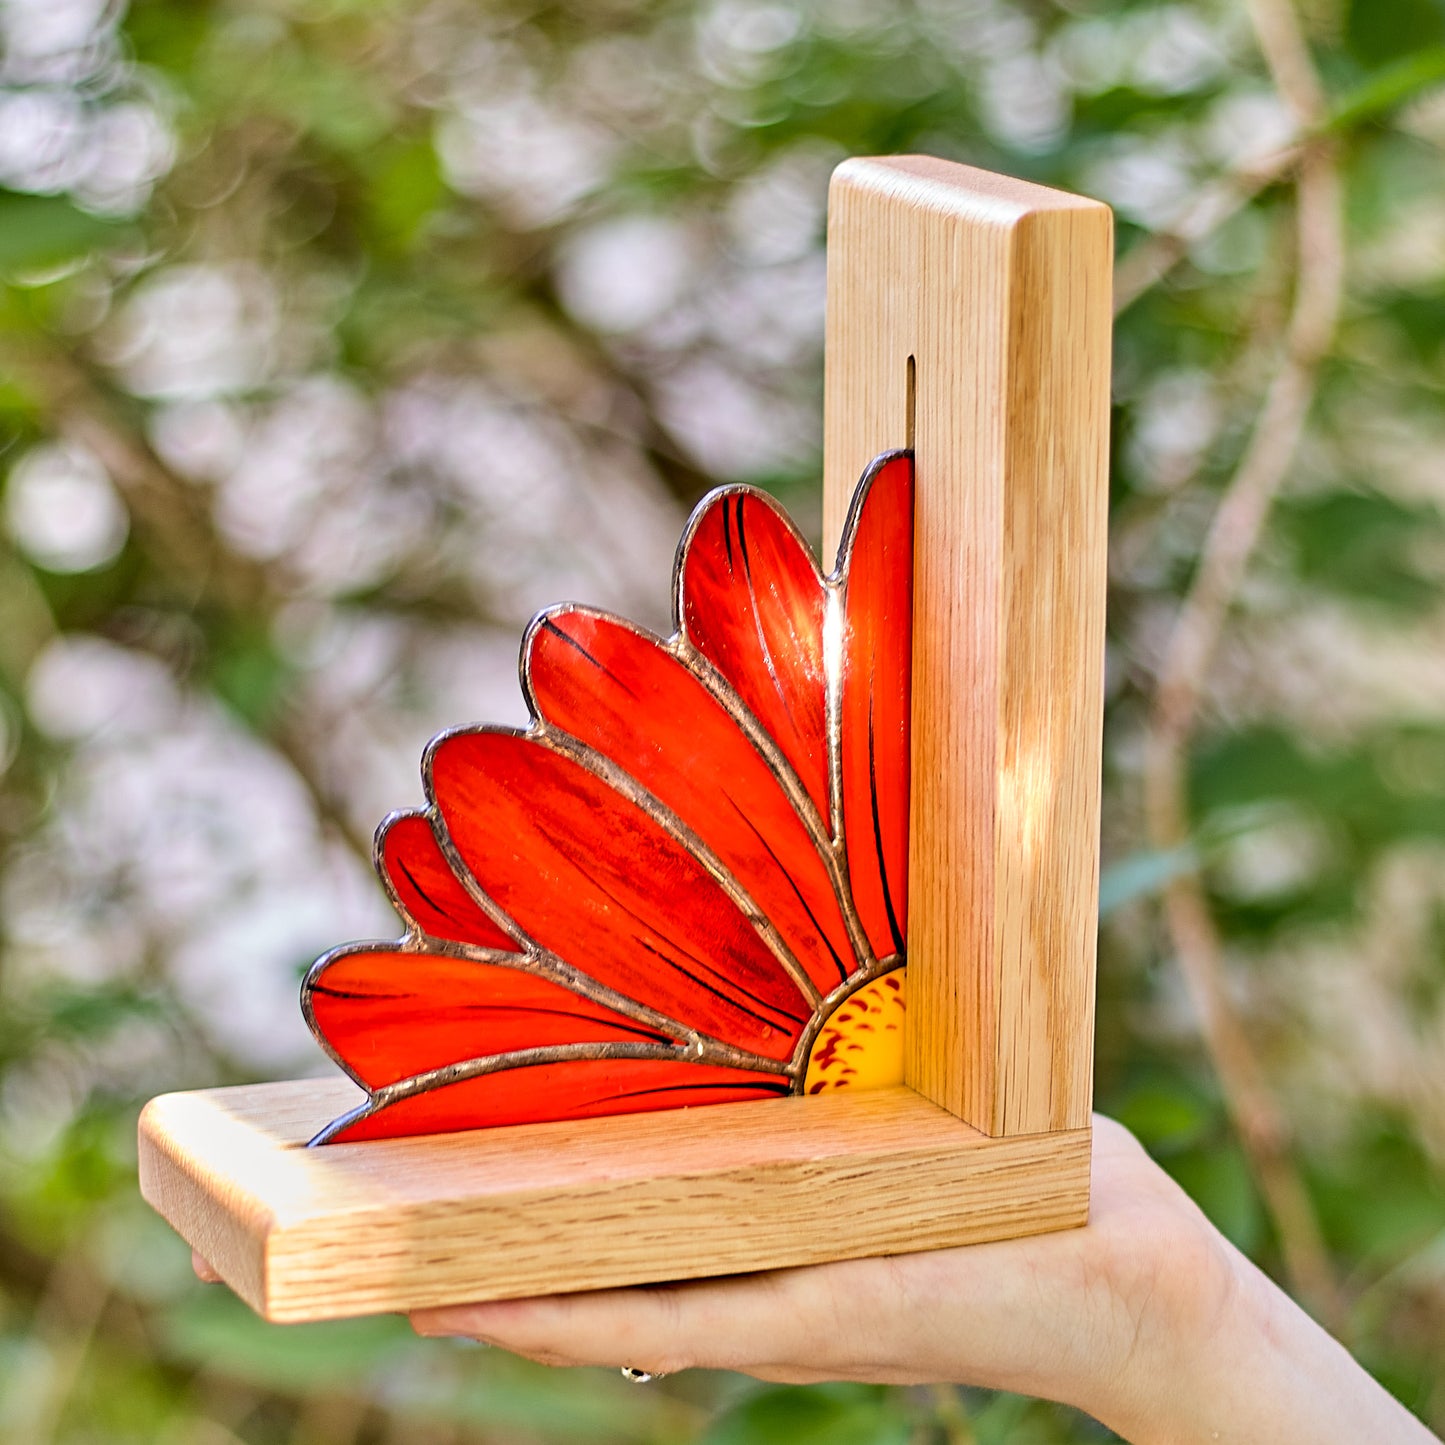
{"x":339,"y":336}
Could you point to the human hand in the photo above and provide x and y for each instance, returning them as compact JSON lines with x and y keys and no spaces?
{"x":1146,"y":1318}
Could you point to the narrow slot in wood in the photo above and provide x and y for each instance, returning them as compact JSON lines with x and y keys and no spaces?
{"x":1000,"y":292}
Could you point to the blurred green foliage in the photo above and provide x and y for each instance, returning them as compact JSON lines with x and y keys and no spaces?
{"x":340,"y":336}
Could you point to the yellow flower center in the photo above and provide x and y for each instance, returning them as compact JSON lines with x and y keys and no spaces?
{"x":860,"y":1045}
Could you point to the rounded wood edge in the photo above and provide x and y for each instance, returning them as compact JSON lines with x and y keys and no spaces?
{"x":952,"y":188}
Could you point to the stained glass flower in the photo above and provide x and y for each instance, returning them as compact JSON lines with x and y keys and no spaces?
{"x":686,"y":882}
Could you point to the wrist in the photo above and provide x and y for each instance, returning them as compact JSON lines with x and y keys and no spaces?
{"x":1182,"y":1312}
{"x":1191,"y":1354}
{"x":1257,"y":1369}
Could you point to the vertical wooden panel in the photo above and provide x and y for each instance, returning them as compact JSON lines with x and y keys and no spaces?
{"x":1000,"y":291}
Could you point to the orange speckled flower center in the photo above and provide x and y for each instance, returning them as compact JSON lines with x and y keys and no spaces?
{"x":860,"y":1046}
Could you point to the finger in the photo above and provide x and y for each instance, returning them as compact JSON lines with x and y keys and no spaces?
{"x":739,"y":1323}
{"x":1034,"y":1314}
{"x":203,"y":1270}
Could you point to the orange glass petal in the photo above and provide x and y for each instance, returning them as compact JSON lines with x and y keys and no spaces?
{"x":425,"y":887}
{"x":392,"y":1015}
{"x":575,"y":1089}
{"x":587,"y":874}
{"x":627,"y":695}
{"x":753,"y":604}
{"x":877,"y":668}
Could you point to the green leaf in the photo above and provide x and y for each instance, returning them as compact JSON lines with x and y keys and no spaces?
{"x":1245,"y":768}
{"x":249,"y":674}
{"x":213,"y":1328}
{"x":1167,"y":1115}
{"x":1379,"y":31}
{"x":1217,"y":1178}
{"x":1141,"y":875}
{"x":1419,"y":317}
{"x":508,"y":1396}
{"x":42,"y":231}
{"x":1005,"y":1419}
{"x":404,"y":187}
{"x":72,"y":1012}
{"x":1364,"y":544}
{"x":1389,"y":89}
{"x":819,"y":1415}
{"x":1381,"y":1226}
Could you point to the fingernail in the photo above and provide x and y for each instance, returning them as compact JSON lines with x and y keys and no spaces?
{"x":444,"y":1324}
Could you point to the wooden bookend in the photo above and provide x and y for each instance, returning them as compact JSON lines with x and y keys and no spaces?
{"x":976,"y":312}
{"x":968,"y":317}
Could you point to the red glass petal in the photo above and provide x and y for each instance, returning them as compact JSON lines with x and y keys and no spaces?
{"x":390,"y":1015}
{"x":623,"y":693}
{"x":426,"y":887}
{"x":752,"y":603}
{"x":587,"y":874}
{"x":877,"y":670}
{"x":576,"y":1089}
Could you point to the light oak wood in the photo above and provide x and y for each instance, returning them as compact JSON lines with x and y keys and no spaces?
{"x":350,"y":1229}
{"x":999,"y":291}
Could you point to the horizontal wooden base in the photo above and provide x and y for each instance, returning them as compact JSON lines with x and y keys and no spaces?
{"x":353,"y":1229}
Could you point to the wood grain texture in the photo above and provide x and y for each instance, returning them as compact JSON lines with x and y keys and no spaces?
{"x":1000,"y":291}
{"x":350,"y":1229}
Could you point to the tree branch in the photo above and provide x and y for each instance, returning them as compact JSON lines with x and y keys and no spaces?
{"x":1149,"y":261}
{"x":1236,"y":528}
